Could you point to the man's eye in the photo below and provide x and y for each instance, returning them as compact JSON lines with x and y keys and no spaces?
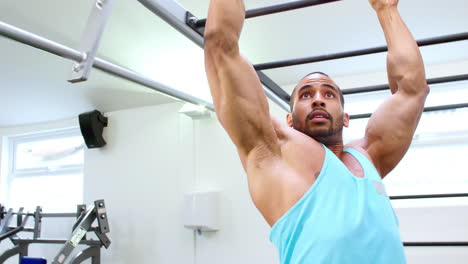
{"x":329,"y":95}
{"x":305,"y":95}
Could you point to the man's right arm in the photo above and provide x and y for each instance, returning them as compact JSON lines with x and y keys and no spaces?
{"x":240,"y":103}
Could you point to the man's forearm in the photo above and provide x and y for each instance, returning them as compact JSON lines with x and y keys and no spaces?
{"x":222,"y":32}
{"x":225,"y":17}
{"x":404,"y":60}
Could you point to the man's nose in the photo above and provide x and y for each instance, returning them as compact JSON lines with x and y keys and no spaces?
{"x":318,"y":103}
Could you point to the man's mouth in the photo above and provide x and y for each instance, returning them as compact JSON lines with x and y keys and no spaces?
{"x":318,"y":116}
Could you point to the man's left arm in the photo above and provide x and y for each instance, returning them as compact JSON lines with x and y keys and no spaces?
{"x":391,"y":128}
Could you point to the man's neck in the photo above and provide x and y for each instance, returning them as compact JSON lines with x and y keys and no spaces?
{"x":335,"y":144}
{"x":336,"y":148}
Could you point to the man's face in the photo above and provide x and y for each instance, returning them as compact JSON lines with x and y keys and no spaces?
{"x":317,"y":110}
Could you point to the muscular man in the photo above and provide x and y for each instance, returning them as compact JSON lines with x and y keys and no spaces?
{"x":325,"y":201}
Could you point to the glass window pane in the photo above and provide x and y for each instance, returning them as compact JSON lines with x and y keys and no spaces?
{"x":435,"y":162}
{"x":49,"y":153}
{"x":441,"y":94}
{"x":432,"y":125}
{"x":53,"y":193}
{"x":430,"y":170}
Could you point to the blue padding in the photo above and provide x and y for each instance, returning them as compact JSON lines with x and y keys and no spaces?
{"x":26,"y":260}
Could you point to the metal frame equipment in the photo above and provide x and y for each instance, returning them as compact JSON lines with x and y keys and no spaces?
{"x":85,"y":218}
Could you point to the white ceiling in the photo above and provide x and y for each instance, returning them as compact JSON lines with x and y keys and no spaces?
{"x":33,"y":83}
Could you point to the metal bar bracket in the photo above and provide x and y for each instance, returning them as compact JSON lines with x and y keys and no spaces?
{"x":19,"y":217}
{"x":37,"y":222}
{"x":191,"y":21}
{"x":90,"y":40}
{"x":101,"y":217}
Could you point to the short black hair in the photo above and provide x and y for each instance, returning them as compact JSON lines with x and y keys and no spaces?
{"x":291,"y":98}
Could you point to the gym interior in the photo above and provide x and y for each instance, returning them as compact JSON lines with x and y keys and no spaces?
{"x":122,"y":152}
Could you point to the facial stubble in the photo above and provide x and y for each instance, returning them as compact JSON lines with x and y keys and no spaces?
{"x":320,"y":135}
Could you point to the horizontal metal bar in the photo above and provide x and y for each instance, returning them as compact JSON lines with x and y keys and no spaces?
{"x":382,"y":87}
{"x":354,"y":53}
{"x":436,"y":244}
{"x":427,"y":109}
{"x":277,"y":8}
{"x":360,"y":116}
{"x":59,"y":215}
{"x":16,"y":229}
{"x":53,"y":241}
{"x":274,"y":92}
{"x":51,"y":214}
{"x":425,"y":196}
{"x":129,"y":75}
{"x":445,"y":107}
{"x":11,"y":232}
{"x":41,"y":43}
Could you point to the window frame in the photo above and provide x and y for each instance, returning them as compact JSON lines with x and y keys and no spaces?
{"x":14,"y":141}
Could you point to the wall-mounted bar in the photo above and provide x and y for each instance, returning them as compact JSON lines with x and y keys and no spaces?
{"x":355,"y":53}
{"x":427,"y":109}
{"x":382,"y":87}
{"x":273,"y":9}
{"x":426,"y":196}
{"x":44,"y":44}
{"x":436,"y":244}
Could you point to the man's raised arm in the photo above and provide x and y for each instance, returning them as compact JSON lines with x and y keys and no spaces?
{"x":239,"y":100}
{"x":391,"y":128}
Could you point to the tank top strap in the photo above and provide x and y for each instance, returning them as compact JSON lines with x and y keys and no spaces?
{"x":369,"y":170}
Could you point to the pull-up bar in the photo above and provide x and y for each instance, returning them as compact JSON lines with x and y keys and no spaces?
{"x":277,"y":8}
{"x":436,"y":244}
{"x":382,"y":87}
{"x":428,"y":196}
{"x":427,"y":109}
{"x":44,"y":44}
{"x":186,"y":23}
{"x":355,"y":53}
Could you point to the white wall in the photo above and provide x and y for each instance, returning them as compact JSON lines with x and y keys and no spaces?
{"x":449,"y":223}
{"x":243,"y":236}
{"x":142,"y":173}
{"x":153,"y":156}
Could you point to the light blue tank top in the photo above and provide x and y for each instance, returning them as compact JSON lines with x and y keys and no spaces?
{"x":341,"y":219}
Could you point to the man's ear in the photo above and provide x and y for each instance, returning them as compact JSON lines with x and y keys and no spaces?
{"x":289,"y":119}
{"x":346,"y":120}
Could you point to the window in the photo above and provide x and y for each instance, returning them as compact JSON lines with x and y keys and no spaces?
{"x":46,"y":170}
{"x":435,"y":162}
